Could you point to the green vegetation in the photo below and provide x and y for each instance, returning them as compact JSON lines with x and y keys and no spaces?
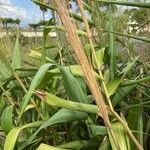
{"x":9,"y":22}
{"x":87,"y":88}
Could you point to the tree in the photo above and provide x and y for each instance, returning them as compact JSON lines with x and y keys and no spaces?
{"x":34,"y":27}
{"x":47,"y":22}
{"x":8,"y":22}
{"x":43,"y":23}
{"x":5,"y":21}
{"x":139,"y":17}
{"x":17,"y":22}
{"x":43,"y":8}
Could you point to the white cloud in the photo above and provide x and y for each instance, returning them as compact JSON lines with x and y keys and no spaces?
{"x":33,"y":17}
{"x":30,"y":15}
{"x":7,"y":9}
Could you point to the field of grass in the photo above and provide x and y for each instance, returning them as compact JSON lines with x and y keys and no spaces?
{"x":86,"y":89}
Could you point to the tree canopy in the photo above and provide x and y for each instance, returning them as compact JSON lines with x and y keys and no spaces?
{"x":7,"y":22}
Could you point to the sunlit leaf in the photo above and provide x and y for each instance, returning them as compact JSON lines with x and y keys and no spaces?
{"x":113,"y":85}
{"x":120,"y":136}
{"x":99,"y":57}
{"x":48,"y":147}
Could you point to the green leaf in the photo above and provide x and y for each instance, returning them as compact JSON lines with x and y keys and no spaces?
{"x":48,"y":147}
{"x":30,"y":106}
{"x":134,"y":120}
{"x":106,"y":76}
{"x":37,"y":55}
{"x":46,"y":31}
{"x":39,"y":3}
{"x":98,"y":130}
{"x":75,"y":70}
{"x":2,"y":105}
{"x":43,"y":52}
{"x":49,"y":28}
{"x":6,"y":119}
{"x":77,"y":145}
{"x":62,"y":116}
{"x":4,"y":71}
{"x":121,"y":93}
{"x":72,"y":86}
{"x":128,"y":67}
{"x":105,"y":145}
{"x":130,"y":36}
{"x":34,"y":84}
{"x":99,"y":56}
{"x":112,"y":51}
{"x":53,"y":100}
{"x":121,"y":137}
{"x":113,"y":85}
{"x":84,"y":87}
{"x":13,"y":134}
{"x":16,"y":58}
{"x":138,"y":81}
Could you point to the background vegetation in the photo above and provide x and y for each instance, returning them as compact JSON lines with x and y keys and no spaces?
{"x":87,"y":88}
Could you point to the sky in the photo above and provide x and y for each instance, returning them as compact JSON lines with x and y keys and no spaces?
{"x":25,"y":10}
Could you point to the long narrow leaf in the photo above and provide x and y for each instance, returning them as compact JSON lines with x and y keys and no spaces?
{"x":76,"y":70}
{"x":130,"y":36}
{"x":129,"y":66}
{"x":48,"y":147}
{"x":34,"y":84}
{"x":111,"y":46}
{"x":113,"y":85}
{"x":121,"y":93}
{"x":62,"y":116}
{"x":16,"y":58}
{"x":134,"y":82}
{"x":53,"y":100}
{"x":121,"y":137}
{"x":72,"y":86}
{"x":49,"y":28}
{"x":77,"y":145}
{"x":13,"y":134}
